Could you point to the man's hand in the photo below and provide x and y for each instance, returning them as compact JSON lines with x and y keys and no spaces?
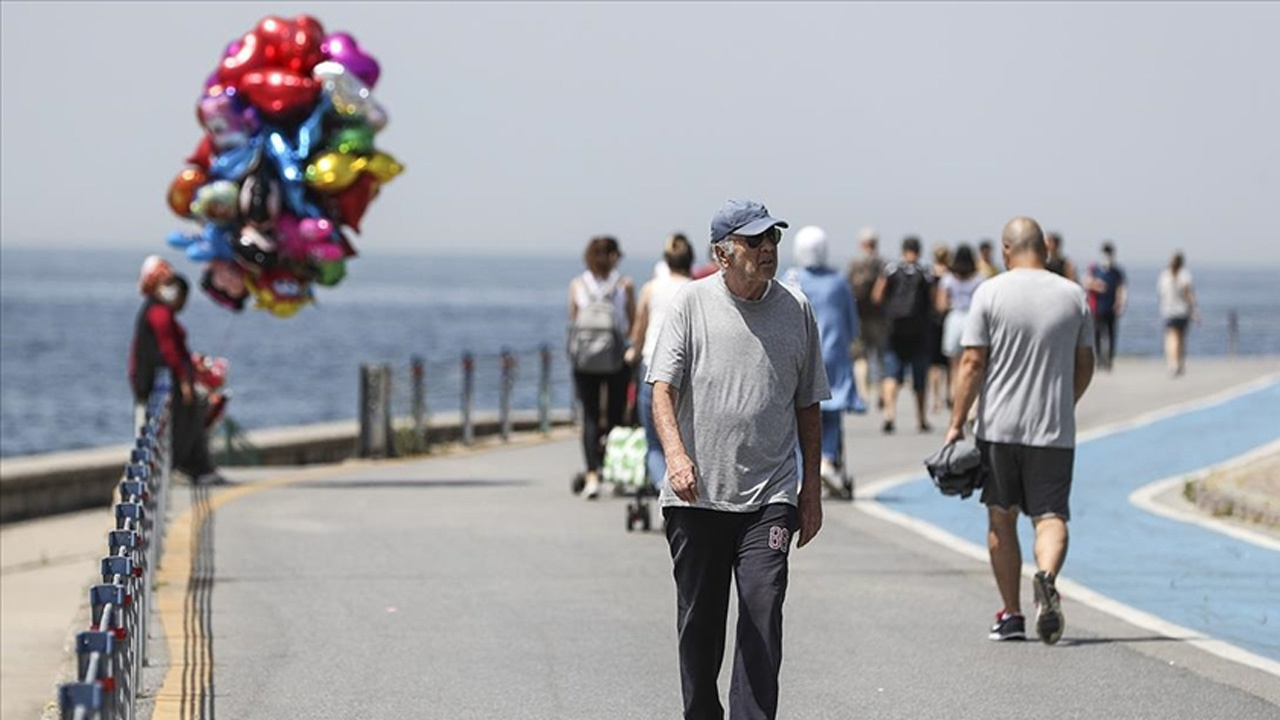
{"x":954,"y":434}
{"x":683,"y":477}
{"x":188,"y":393}
{"x":810,"y":516}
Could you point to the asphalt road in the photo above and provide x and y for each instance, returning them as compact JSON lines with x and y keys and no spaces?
{"x":474,"y":585}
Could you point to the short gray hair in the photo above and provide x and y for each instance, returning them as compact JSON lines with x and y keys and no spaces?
{"x":727,"y":245}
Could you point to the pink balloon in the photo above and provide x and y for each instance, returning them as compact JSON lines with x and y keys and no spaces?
{"x":307,"y":239}
{"x":343,"y":49}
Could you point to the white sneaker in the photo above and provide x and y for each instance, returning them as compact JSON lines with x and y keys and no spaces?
{"x":830,"y":476}
{"x":591,"y":490}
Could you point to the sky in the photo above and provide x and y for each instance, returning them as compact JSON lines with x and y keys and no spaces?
{"x":526,"y":128}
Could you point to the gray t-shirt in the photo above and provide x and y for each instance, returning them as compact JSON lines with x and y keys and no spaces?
{"x":1031,"y":322}
{"x":740,"y":368}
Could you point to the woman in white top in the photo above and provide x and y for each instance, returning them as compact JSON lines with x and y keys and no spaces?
{"x":1177,"y":308}
{"x":954,"y":294}
{"x":655,"y":298}
{"x":601,"y":283}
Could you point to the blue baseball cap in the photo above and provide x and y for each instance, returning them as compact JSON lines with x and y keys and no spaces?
{"x":742,"y":217}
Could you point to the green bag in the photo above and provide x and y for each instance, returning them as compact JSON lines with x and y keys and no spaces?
{"x":624,"y":457}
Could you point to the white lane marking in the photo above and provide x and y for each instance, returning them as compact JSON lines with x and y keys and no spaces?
{"x":1080,"y":593}
{"x":1144,"y":498}
{"x":1182,"y":408}
{"x":1075,"y":591}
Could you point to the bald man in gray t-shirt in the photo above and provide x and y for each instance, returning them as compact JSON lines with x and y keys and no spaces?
{"x":1028,"y":348}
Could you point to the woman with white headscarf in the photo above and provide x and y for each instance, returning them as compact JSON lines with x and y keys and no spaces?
{"x":837,"y":315}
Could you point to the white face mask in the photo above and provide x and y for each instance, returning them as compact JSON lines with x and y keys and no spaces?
{"x":167,"y":293}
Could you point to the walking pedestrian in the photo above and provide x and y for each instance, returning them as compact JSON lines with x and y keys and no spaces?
{"x":868,"y":347}
{"x":939,"y":368}
{"x":737,"y":380}
{"x":836,"y":313}
{"x":1177,"y":308}
{"x":1108,"y":295}
{"x":601,"y":309}
{"x":1028,"y":349}
{"x":954,"y":296}
{"x":986,"y":260}
{"x":651,"y":313}
{"x":902,"y":290}
{"x":159,"y":341}
{"x":1056,"y":262}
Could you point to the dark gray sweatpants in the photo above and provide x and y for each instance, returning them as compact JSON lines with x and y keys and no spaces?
{"x":707,"y":548}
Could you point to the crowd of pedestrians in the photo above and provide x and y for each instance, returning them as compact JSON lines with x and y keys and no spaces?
{"x":743,"y":377}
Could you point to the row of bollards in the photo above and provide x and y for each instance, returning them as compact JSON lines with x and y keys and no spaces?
{"x":377,"y":425}
{"x":112,"y":652}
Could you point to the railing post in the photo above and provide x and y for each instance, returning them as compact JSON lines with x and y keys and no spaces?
{"x":504,"y":392}
{"x":468,"y":389}
{"x":375,"y":411}
{"x":419,"y":402}
{"x":1233,"y":333}
{"x":544,"y":389}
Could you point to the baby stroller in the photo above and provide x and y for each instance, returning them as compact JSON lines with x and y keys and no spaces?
{"x":625,"y":467}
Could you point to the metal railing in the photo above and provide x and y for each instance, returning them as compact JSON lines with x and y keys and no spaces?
{"x":400,"y":406}
{"x":112,"y":652}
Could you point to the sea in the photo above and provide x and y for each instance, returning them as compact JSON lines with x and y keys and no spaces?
{"x":67,"y":315}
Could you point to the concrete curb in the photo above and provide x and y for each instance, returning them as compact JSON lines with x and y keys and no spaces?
{"x":51,"y":483}
{"x":1226,"y":498}
{"x":1250,"y":492}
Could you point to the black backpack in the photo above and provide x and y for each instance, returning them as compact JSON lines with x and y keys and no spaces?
{"x":908,"y":294}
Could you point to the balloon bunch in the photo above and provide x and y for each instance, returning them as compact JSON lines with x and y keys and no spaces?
{"x":286,"y":163}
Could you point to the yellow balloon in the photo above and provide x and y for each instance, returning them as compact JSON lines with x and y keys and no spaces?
{"x":266,"y":299}
{"x":383,"y":166}
{"x":333,"y":172}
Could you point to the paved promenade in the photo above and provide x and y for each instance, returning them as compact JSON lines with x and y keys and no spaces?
{"x":473,"y":585}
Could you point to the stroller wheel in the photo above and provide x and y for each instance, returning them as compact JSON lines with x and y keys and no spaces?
{"x":631,"y":518}
{"x":646,"y":519}
{"x":578,"y":482}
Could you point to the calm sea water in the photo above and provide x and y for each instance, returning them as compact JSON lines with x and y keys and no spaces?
{"x":66,"y":317}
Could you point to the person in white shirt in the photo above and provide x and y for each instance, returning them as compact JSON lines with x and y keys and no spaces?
{"x":602,"y":282}
{"x":655,"y":299}
{"x":1178,"y":309}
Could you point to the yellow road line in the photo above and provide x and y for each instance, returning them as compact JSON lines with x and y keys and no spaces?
{"x":173,"y":578}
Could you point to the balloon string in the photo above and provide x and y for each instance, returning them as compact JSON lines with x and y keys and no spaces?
{"x":226,"y":336}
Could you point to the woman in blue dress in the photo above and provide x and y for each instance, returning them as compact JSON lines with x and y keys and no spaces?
{"x":837,"y":316}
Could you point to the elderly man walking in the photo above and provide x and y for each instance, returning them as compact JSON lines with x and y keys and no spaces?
{"x":737,"y":380}
{"x":1028,"y":347}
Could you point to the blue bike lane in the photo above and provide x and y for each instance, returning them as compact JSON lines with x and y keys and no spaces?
{"x":1184,"y":573}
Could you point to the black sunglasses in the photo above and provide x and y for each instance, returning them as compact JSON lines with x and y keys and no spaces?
{"x":773,"y":235}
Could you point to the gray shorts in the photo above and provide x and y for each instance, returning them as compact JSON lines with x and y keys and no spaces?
{"x":1036,"y":480}
{"x":870,"y":341}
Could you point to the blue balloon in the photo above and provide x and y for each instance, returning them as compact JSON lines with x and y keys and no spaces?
{"x":236,"y":163}
{"x":211,"y":243}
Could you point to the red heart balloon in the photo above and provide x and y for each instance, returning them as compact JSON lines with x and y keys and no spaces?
{"x":291,"y":44}
{"x":251,"y":56}
{"x":303,"y":52}
{"x":203,"y":153}
{"x":349,"y":205}
{"x":273,"y":32}
{"x":279,"y":94}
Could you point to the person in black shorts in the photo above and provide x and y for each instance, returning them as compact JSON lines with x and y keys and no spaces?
{"x":902,"y":291}
{"x":1028,"y":348}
